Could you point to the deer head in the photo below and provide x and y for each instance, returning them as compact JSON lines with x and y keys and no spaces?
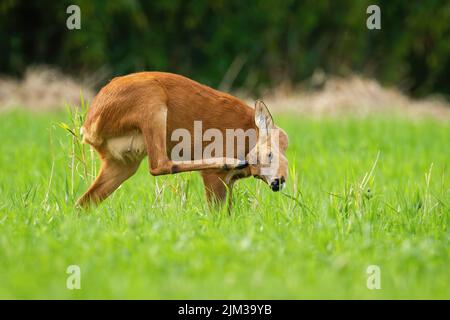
{"x":267,"y":159}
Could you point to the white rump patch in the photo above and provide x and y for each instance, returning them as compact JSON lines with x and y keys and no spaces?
{"x":127,"y":148}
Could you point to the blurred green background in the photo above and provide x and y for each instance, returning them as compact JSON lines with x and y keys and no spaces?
{"x":265,"y":43}
{"x":368,"y":167}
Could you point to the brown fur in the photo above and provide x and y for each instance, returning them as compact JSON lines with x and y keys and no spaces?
{"x":134,"y":115}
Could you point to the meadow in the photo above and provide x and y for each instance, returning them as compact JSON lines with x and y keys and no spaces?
{"x":361,"y":192}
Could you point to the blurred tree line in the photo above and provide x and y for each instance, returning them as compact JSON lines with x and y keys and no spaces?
{"x":233,"y":42}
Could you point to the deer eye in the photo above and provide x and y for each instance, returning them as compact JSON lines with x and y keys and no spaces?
{"x":270,"y":156}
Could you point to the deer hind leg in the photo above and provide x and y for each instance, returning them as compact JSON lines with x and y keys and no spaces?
{"x":153,"y":130}
{"x":112,"y":174}
{"x":155,"y":133}
{"x":217,"y":187}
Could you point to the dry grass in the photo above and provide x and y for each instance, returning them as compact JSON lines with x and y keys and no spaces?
{"x":41,"y":89}
{"x":355,"y":96}
{"x":44,"y":89}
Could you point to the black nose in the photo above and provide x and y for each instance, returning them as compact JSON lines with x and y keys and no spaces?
{"x":275,"y":185}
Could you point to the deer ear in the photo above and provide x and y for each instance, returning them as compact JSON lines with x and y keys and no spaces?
{"x":263,"y":118}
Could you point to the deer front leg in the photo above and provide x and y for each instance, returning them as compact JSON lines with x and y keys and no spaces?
{"x":217,"y":187}
{"x":155,"y":139}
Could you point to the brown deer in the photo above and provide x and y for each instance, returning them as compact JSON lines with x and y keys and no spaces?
{"x":136,"y":115}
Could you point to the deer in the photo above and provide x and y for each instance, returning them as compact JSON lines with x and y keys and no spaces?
{"x":134,"y":115}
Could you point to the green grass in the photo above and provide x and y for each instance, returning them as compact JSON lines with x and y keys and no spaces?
{"x":155,"y":237}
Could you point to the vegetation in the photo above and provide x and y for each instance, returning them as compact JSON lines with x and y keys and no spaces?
{"x":361,"y":192}
{"x":266,"y":43}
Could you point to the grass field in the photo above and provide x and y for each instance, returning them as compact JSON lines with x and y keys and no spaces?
{"x":156,"y":238}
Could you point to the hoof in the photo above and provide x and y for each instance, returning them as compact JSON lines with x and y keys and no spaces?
{"x":243,"y":164}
